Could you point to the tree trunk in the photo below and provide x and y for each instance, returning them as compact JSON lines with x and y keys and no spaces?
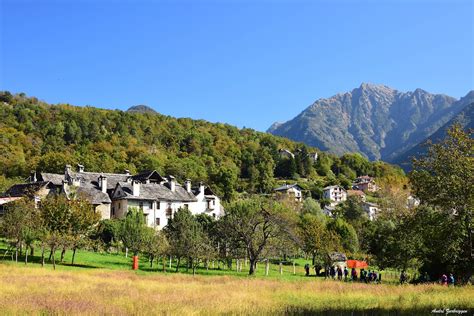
{"x":164,"y":263}
{"x":63,"y":252}
{"x":16,"y":254}
{"x":42,"y":255}
{"x":151,"y":261}
{"x":53,"y":252}
{"x":253,"y":266}
{"x":26,"y":255}
{"x":194,"y":268}
{"x":177,"y":264}
{"x":73,"y":255}
{"x":32,"y":250}
{"x":126,"y":252}
{"x":50,"y":255}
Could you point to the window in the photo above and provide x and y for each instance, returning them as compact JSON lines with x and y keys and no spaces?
{"x":141,"y":206}
{"x":157,"y":205}
{"x":157,"y":221}
{"x":169,"y":211}
{"x":186,"y":206}
{"x":113,"y":211}
{"x":150,"y":205}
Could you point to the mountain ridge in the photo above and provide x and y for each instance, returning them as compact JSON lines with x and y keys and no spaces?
{"x":373,"y":119}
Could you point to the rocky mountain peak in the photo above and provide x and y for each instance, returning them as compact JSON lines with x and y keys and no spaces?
{"x":373,"y":119}
{"x":141,"y":108}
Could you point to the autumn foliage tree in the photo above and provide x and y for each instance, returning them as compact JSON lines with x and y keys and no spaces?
{"x":444,"y":179}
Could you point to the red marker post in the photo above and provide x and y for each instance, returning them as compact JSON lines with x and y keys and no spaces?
{"x":135,"y":263}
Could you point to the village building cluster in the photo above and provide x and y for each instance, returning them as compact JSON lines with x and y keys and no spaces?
{"x":113,"y":194}
{"x":335,"y":194}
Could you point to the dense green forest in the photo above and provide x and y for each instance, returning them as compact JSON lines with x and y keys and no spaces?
{"x":35,"y":135}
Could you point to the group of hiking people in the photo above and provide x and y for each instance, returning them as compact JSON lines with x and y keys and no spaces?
{"x":425,"y":278}
{"x":333,"y":272}
{"x":371,"y":276}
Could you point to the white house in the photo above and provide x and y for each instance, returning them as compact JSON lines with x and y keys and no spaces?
{"x":291,"y":190}
{"x":371,"y":209}
{"x":159,"y":201}
{"x":336,"y":194}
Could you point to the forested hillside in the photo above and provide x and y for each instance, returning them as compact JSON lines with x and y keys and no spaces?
{"x":38,"y":136}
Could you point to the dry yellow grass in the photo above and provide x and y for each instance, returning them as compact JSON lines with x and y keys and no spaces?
{"x":25,"y":290}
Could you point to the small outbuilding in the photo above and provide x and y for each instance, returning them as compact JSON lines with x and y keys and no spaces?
{"x":338,"y":259}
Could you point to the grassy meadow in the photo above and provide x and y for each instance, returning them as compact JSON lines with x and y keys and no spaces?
{"x":104,"y":284}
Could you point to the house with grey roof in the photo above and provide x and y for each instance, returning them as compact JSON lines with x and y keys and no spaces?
{"x":34,"y":191}
{"x":114,"y":194}
{"x":159,"y":201}
{"x":294,"y":191}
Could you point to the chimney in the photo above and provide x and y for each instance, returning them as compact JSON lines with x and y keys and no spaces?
{"x":33,"y":176}
{"x":103,"y":183}
{"x":65,"y":187}
{"x":187,"y":185}
{"x":136,"y":188}
{"x":67,"y":170}
{"x":172,"y":182}
{"x":80,"y":168}
{"x":201,"y":188}
{"x":127,"y":172}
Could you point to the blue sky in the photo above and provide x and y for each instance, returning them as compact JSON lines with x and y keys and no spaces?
{"x":246,"y":63}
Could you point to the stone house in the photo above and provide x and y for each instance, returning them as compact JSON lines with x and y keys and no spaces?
{"x":365,"y":183}
{"x":113,"y":194}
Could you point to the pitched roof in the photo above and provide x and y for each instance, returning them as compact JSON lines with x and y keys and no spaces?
{"x":286,"y":187}
{"x":26,"y":189}
{"x":93,"y":195}
{"x":337,"y":256}
{"x":149,"y":174}
{"x":333,"y":187}
{"x":93,"y":177}
{"x":355,"y":192}
{"x":156,"y":191}
{"x":56,"y":179}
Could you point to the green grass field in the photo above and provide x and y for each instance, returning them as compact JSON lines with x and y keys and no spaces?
{"x":105,"y":284}
{"x":114,"y":261}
